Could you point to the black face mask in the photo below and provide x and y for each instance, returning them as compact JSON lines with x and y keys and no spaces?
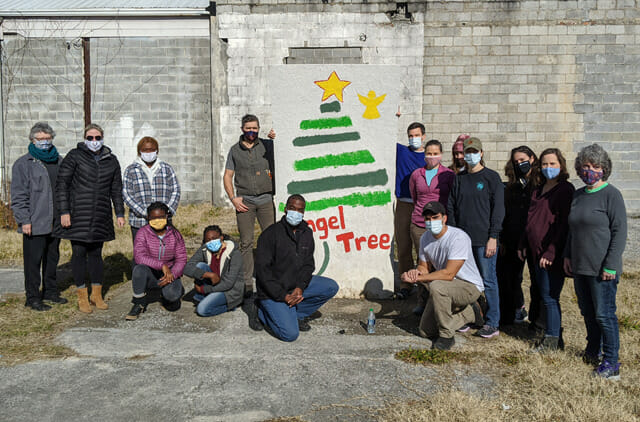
{"x":523,"y":168}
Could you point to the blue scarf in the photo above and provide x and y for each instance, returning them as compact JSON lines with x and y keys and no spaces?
{"x":48,"y":156}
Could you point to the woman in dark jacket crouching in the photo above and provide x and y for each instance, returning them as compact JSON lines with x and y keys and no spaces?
{"x":89,"y":181}
{"x":217,"y":271}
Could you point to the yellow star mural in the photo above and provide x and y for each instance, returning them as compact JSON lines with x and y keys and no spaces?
{"x":332,"y":86}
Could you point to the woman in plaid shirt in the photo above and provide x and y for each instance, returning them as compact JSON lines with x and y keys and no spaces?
{"x":148,"y":180}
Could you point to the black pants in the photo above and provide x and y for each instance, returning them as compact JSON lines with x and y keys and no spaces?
{"x":40,"y":253}
{"x":509,"y":270}
{"x":134,"y":231}
{"x":81,"y":252}
{"x":144,"y":278}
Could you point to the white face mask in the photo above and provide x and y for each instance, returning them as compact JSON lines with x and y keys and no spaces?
{"x":149,"y":157}
{"x":94,"y":145}
{"x":434,"y":226}
{"x":415,"y":142}
{"x":472,"y":158}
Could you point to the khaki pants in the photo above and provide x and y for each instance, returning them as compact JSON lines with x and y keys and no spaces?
{"x":402,"y":225}
{"x":448,"y":307}
{"x":265,"y":214}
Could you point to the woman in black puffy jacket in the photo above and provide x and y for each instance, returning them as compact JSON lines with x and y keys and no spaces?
{"x":89,"y":181}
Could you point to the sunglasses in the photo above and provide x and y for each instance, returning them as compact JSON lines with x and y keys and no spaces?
{"x":91,"y":138}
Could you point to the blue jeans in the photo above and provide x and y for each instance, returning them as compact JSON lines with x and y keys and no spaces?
{"x":212,"y":304}
{"x":550,"y":285}
{"x":283,"y":320}
{"x":597,"y":302}
{"x":487,"y":268}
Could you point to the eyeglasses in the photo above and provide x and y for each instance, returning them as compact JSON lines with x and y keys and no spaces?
{"x":97,"y":138}
{"x":44,"y":139}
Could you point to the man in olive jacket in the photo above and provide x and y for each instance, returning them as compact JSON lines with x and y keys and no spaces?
{"x":287,"y":291}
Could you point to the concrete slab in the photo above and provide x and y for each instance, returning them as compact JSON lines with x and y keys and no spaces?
{"x":11,"y":280}
{"x":180,"y":367}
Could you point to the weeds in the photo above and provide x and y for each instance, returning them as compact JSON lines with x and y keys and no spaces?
{"x":433,"y":356}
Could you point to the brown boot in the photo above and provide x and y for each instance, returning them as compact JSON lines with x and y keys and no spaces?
{"x":96,"y":297}
{"x":83,"y":300}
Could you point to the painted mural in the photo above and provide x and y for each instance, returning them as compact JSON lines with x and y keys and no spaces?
{"x":336,"y":141}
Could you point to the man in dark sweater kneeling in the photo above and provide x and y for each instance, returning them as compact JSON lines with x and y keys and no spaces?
{"x":287,"y":291}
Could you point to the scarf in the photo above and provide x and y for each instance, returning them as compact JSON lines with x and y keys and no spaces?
{"x":48,"y":156}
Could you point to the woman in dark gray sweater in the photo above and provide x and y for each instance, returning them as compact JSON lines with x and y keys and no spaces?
{"x":597,"y":236}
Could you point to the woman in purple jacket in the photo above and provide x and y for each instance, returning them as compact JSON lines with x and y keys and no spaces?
{"x":545,"y":235}
{"x":160,"y":257}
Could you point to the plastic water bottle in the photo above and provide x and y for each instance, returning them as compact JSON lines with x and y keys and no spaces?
{"x":371,"y":322}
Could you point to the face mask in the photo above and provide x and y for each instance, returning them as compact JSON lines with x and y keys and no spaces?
{"x":591,"y":177}
{"x":432,"y":161}
{"x":294,"y":217}
{"x":550,"y":172}
{"x":149,"y":157}
{"x":214,"y":245}
{"x":415,"y":143}
{"x":158,"y":224}
{"x":250,"y":135}
{"x":44,"y":145}
{"x":472,"y":158}
{"x":434,"y":226}
{"x":94,"y":145}
{"x":523,"y":168}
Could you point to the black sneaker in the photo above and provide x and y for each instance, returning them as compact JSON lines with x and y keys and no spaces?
{"x":478,"y":314}
{"x":591,"y":359}
{"x":303,"y":325}
{"x":444,"y":343}
{"x":56,"y":299}
{"x":607,"y":371}
{"x":252,"y":312}
{"x":547,"y":344}
{"x":37,"y":305}
{"x":136,"y":310}
{"x":487,"y":331}
{"x":403,"y":294}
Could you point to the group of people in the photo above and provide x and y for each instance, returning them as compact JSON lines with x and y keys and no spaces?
{"x":472,"y":234}
{"x":75,"y":198}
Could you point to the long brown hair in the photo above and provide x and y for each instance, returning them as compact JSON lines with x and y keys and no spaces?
{"x":564,"y":174}
{"x":510,"y":167}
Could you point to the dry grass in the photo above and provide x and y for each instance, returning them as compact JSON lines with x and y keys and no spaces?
{"x":551,"y":387}
{"x":190,"y":221}
{"x":27,"y":335}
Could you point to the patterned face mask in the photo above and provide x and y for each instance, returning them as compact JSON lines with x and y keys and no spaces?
{"x":158,"y":224}
{"x":591,"y":177}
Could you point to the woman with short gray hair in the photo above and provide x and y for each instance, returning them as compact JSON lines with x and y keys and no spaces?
{"x":33,"y":179}
{"x":597,"y":236}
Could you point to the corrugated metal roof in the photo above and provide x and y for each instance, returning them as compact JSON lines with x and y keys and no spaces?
{"x":100,"y":8}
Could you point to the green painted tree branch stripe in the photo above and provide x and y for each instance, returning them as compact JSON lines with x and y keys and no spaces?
{"x":326,"y":123}
{"x":303,"y":141}
{"x":372,"y":178}
{"x":333,"y":107}
{"x":325,"y":261}
{"x":346,"y":159}
{"x":369,"y":199}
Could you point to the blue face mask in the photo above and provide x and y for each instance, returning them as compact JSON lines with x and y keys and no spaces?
{"x":434,"y":226}
{"x":472,"y":158}
{"x":94,"y":146}
{"x":214,"y":245}
{"x":250,"y":135}
{"x":550,"y":172}
{"x":44,"y":145}
{"x":294,"y":217}
{"x":415,"y":143}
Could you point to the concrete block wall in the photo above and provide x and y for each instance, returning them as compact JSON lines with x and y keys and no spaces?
{"x":541,"y":73}
{"x":157,"y":87}
{"x":261,"y":35}
{"x":41,"y":81}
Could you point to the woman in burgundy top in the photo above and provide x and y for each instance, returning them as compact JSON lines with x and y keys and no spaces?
{"x":545,"y":235}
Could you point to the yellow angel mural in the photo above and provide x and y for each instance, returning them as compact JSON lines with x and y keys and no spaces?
{"x":371,"y":102}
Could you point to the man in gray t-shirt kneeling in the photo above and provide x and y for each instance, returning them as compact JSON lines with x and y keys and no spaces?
{"x":448,"y":271}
